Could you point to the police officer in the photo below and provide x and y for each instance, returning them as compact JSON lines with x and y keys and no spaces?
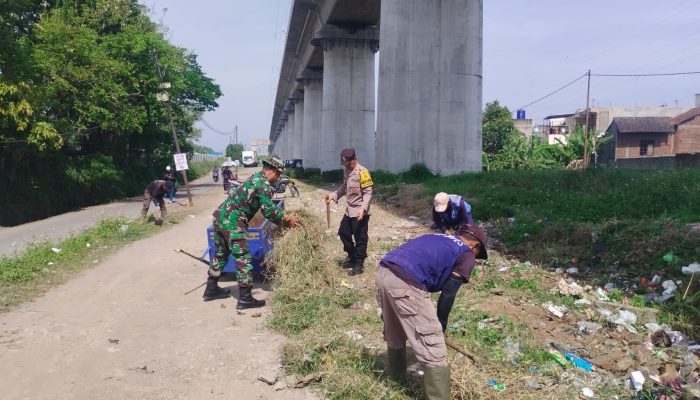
{"x":155,"y":192}
{"x":357,"y":188}
{"x":450,"y":211}
{"x":405,"y":278}
{"x":230,"y":224}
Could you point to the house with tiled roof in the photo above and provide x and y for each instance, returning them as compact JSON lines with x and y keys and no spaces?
{"x":653,"y":142}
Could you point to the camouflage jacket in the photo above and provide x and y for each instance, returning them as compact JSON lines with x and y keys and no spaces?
{"x":243,"y":202}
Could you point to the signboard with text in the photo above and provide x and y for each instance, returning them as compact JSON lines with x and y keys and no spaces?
{"x":180,"y":161}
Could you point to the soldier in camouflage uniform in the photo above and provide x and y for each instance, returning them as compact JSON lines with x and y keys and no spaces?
{"x":230,"y":224}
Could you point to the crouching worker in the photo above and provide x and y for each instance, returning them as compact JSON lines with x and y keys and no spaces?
{"x":406,"y":277}
{"x":155,"y":192}
{"x":230,"y":225}
{"x":450,"y":211}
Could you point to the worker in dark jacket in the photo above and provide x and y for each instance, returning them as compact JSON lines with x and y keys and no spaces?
{"x":450,"y":211}
{"x":155,"y":192}
{"x":405,"y":278}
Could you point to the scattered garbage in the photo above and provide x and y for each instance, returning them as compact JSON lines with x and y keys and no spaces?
{"x":627,"y":316}
{"x":353,"y":335}
{"x":602,"y":296}
{"x":637,"y":380}
{"x":670,"y":287}
{"x":670,"y":258}
{"x":50,"y":263}
{"x":496,"y":385}
{"x":123,"y":228}
{"x":655,"y":280}
{"x":609,"y":286}
{"x":87,"y":245}
{"x":572,"y":271}
{"x":676,"y":337}
{"x":557,"y":311}
{"x":587,"y":392}
{"x":661,"y":339}
{"x":693,"y":268}
{"x":588,"y":327}
{"x":582,"y":302}
{"x":56,"y":250}
{"x":569,"y":289}
{"x":532,"y":383}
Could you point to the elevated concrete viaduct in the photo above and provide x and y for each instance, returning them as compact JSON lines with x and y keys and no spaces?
{"x":429,"y":92}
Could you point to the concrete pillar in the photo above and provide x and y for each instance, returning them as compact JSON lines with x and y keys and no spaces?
{"x":289,"y":142}
{"x":311,"y":138}
{"x":430,"y":80}
{"x":348,"y":93}
{"x":298,"y":139}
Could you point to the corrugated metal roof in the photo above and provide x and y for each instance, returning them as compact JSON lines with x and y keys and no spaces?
{"x":643,"y":124}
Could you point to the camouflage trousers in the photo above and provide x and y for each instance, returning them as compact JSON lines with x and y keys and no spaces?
{"x":235,"y":244}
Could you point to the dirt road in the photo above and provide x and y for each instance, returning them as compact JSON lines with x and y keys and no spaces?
{"x":125,"y":330}
{"x":17,"y":238}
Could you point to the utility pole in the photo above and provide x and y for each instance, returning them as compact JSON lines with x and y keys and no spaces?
{"x":166,"y":99}
{"x":588,"y":116}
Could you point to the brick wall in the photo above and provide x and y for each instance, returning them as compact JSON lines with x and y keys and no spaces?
{"x":688,"y":137}
{"x":628,"y":144}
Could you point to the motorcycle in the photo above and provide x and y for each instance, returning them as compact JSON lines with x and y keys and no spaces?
{"x":282,"y":183}
{"x":231,"y":183}
{"x":215,"y":175}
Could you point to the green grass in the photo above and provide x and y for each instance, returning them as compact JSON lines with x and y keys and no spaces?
{"x":617,"y":223}
{"x":33,"y":271}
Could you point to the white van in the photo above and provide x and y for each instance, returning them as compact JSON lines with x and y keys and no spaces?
{"x":250,"y":158}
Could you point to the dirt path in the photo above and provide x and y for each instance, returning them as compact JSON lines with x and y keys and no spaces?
{"x":125,"y":330}
{"x":17,"y":238}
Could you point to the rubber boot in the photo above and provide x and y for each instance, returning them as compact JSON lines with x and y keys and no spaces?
{"x":348,"y":262}
{"x":164,"y":214}
{"x":437,"y":383}
{"x":397,"y":364}
{"x":246,"y":299}
{"x":358,"y":268}
{"x":213,"y":291}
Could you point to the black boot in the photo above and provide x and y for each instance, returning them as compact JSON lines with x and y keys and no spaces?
{"x":213,"y":291}
{"x":348,"y":262}
{"x":246,"y":299}
{"x":358,"y":267}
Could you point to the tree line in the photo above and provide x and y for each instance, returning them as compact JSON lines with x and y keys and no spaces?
{"x":504,"y":147}
{"x":79,"y":120}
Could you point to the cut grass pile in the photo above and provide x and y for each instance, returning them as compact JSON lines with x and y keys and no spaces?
{"x":35,"y":270}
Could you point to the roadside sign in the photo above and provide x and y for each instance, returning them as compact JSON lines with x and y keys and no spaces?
{"x":180,"y":161}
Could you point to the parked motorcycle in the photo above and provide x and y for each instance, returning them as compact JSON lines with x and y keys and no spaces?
{"x":283,"y":182}
{"x":215,"y":175}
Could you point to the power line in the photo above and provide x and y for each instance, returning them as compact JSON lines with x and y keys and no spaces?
{"x":214,"y":129}
{"x":556,"y":91}
{"x":643,"y":75}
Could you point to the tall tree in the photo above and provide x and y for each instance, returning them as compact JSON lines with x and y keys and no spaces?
{"x":497,"y":128}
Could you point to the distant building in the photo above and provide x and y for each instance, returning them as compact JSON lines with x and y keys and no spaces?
{"x":654,"y":142}
{"x":557,"y":128}
{"x":524,"y":126}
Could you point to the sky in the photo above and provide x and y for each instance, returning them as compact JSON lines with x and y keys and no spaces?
{"x":530,"y":50}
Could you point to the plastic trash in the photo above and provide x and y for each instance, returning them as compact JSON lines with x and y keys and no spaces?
{"x":572,"y":271}
{"x":669,"y":257}
{"x":655,"y":280}
{"x":55,"y":250}
{"x":627,"y":316}
{"x":557,"y":311}
{"x":602,"y":296}
{"x":582,"y":302}
{"x":558,"y":357}
{"x":691,"y":269}
{"x":669,"y":286}
{"x":579,"y":362}
{"x":587,"y":392}
{"x":637,"y":380}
